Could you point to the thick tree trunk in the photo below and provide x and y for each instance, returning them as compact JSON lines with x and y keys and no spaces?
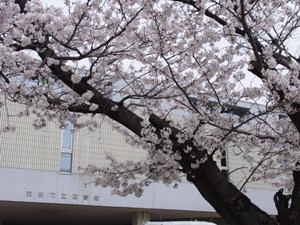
{"x":282,"y":206}
{"x":294,"y":211}
{"x":232,"y":205}
{"x":288,"y":206}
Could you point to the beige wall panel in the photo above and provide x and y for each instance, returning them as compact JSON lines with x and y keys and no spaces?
{"x":90,"y":147}
{"x":28,"y":147}
{"x":239,"y":172}
{"x":40,"y":149}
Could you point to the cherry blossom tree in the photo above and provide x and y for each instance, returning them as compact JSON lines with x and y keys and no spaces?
{"x":181,"y":67}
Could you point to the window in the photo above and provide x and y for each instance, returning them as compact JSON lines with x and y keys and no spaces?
{"x":65,"y":162}
{"x":282,"y":116}
{"x":242,"y":112}
{"x":66,"y":148}
{"x":224,"y":163}
{"x":193,"y":100}
{"x":110,"y":92}
{"x":238,"y":111}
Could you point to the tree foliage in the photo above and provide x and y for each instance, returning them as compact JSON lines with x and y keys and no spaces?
{"x":172,"y":75}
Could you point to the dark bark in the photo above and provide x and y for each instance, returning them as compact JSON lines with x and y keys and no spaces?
{"x":282,"y":205}
{"x":232,"y":205}
{"x":295,"y":118}
{"x":22,"y":4}
{"x":294,"y":211}
{"x":288,"y":206}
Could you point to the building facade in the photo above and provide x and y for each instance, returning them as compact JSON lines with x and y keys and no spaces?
{"x":41,"y":182}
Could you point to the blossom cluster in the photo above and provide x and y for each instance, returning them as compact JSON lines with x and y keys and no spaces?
{"x":192,"y":65}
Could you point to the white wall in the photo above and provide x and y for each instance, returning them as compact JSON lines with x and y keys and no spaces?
{"x":51,"y":187}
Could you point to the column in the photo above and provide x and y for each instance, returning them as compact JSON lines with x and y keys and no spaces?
{"x":140,"y":218}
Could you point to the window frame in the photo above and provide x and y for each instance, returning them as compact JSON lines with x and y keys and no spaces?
{"x":64,"y":151}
